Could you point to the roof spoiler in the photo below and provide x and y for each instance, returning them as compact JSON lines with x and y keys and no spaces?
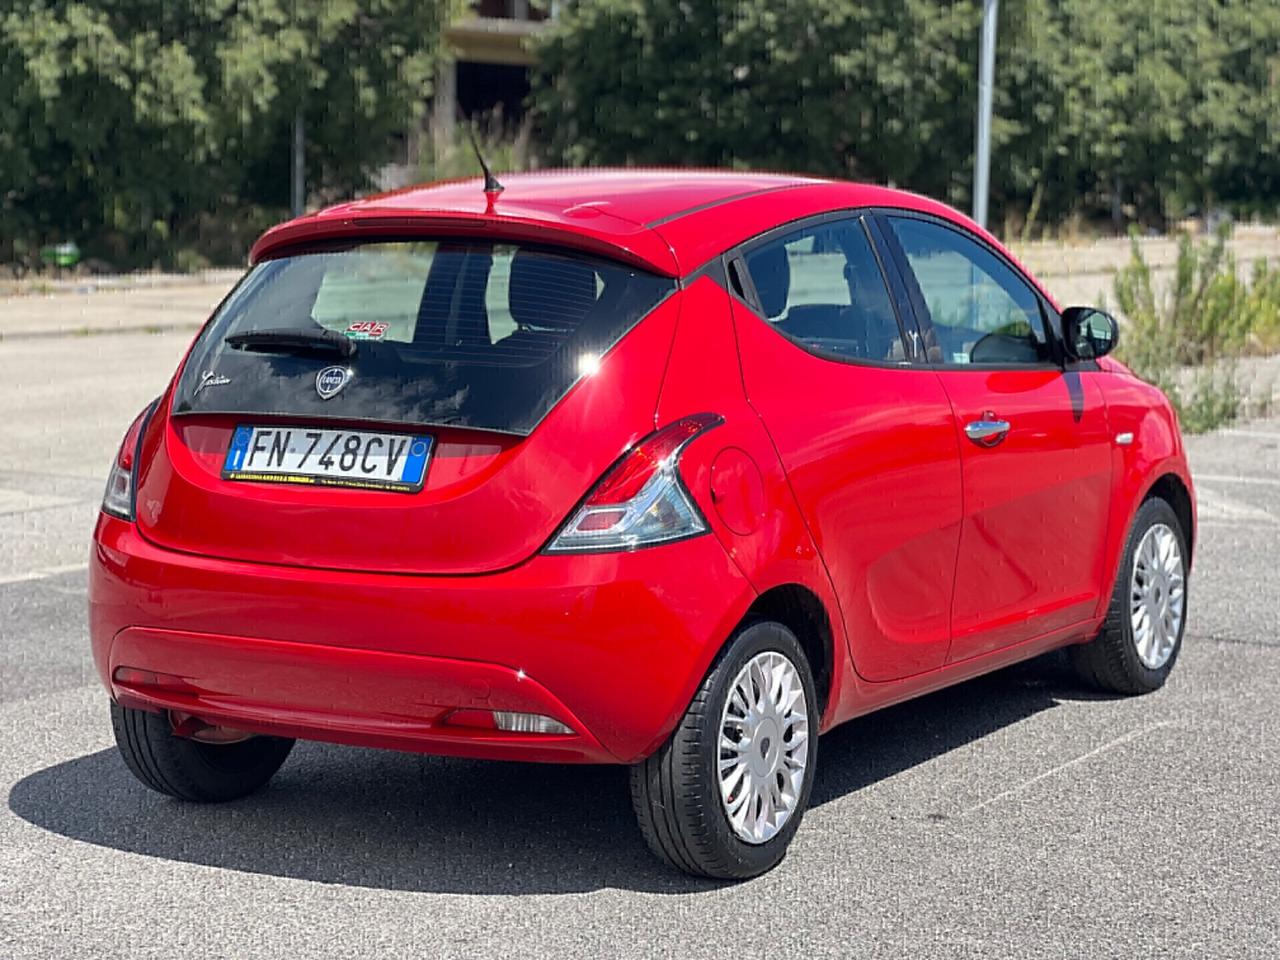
{"x":629,"y":243}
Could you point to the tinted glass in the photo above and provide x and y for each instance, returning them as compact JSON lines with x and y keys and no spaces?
{"x":488,"y":336}
{"x":981,"y":311}
{"x":822,"y":286}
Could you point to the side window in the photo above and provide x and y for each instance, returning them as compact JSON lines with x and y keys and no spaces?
{"x":822,"y":286}
{"x":981,"y":311}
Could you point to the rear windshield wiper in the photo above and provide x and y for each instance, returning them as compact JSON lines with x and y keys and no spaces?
{"x":294,"y":341}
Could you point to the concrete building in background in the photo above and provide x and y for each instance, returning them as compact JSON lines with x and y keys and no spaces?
{"x":487,"y":70}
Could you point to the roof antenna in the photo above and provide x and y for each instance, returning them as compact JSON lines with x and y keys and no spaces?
{"x":491,"y":185}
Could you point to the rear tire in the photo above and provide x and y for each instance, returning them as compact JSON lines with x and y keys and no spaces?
{"x":679,"y":798}
{"x":188,"y":769}
{"x":1118,"y":660}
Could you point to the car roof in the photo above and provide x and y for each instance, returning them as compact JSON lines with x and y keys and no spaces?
{"x":670,"y":221}
{"x":641,"y":196}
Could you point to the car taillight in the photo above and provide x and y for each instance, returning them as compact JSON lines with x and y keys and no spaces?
{"x":641,"y":501}
{"x":118,"y":499}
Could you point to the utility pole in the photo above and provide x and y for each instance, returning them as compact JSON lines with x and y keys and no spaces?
{"x":298,"y":191}
{"x":986,"y":81}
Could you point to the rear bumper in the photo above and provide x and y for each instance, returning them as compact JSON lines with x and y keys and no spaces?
{"x":612,"y":645}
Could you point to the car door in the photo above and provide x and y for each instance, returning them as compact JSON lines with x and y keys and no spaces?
{"x":864,"y":432}
{"x":1033,"y":435}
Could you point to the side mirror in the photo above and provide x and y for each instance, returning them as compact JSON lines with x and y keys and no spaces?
{"x":1088,"y":333}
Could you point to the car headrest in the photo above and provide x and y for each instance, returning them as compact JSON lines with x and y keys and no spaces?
{"x":549,"y":292}
{"x":771,"y":274}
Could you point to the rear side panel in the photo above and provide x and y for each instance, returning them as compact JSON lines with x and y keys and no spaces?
{"x":733,"y":470}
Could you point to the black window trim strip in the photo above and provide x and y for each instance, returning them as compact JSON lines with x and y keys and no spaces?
{"x":711,"y":204}
{"x":897,"y":293}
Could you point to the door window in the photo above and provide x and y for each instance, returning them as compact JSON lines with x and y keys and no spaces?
{"x":822,"y":287}
{"x":981,"y":311}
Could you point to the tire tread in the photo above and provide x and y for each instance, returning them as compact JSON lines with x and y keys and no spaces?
{"x":668,"y":798}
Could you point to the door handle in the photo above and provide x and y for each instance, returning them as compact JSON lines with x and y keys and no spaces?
{"x":988,"y":431}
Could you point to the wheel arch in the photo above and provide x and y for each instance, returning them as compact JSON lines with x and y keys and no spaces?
{"x":802,"y":612}
{"x":1170,"y":488}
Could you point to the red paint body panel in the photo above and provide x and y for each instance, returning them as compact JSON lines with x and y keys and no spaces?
{"x":362,"y":697}
{"x":862,"y":697}
{"x":573,"y":624}
{"x":598,"y":233}
{"x":637,"y":196}
{"x":704,"y":375}
{"x":1036,"y":505}
{"x":1140,"y":409}
{"x":365,"y":618}
{"x":871,"y":455}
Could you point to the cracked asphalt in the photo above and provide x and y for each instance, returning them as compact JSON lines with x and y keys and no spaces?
{"x":1017,"y":815}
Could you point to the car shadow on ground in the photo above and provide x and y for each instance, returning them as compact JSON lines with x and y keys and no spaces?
{"x":396,"y":821}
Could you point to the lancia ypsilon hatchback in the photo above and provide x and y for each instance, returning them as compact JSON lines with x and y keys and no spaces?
{"x":676,"y":470}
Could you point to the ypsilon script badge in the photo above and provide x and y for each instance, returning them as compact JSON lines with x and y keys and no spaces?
{"x":210,"y":379}
{"x":331,"y":380}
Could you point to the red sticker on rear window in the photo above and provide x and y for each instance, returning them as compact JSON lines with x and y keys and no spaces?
{"x":366,"y":330}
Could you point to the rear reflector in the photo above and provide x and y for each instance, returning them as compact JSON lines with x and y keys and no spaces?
{"x":132,"y":677}
{"x":528,"y":723}
{"x":508,"y":721}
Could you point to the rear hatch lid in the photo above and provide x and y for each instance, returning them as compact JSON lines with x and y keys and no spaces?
{"x":515,"y":373}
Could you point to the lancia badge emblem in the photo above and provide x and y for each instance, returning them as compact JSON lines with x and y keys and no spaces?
{"x":331,"y":380}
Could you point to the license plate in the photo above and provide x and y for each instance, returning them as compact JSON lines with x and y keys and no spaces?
{"x":330,"y":458}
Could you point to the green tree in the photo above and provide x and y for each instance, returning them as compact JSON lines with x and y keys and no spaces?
{"x":1242,"y":152}
{"x":733,"y":82}
{"x":880,"y":90}
{"x":135,"y":126}
{"x":1145,"y":106}
{"x":360,"y":70}
{"x":101,"y":130}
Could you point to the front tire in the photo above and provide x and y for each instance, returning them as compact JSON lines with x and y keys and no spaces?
{"x":1141,"y":637}
{"x":189,"y":769}
{"x":723,"y":797}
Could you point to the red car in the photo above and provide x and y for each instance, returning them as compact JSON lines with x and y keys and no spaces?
{"x":676,"y":470}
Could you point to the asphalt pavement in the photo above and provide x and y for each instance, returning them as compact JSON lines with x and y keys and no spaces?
{"x":1013,"y":816}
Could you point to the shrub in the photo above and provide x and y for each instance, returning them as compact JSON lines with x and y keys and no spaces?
{"x":1186,"y":341}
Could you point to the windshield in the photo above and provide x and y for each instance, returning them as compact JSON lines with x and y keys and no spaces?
{"x":482,"y":335}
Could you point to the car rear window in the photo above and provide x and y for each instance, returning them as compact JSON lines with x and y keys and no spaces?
{"x":487,"y":336}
